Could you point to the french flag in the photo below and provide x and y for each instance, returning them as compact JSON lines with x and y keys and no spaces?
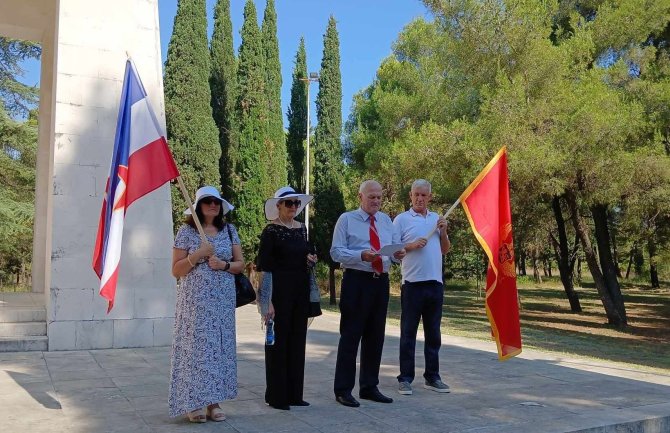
{"x":141,"y":163}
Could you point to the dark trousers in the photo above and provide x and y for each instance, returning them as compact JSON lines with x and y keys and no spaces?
{"x":420,"y":301}
{"x":285,"y":360}
{"x":363,"y":305}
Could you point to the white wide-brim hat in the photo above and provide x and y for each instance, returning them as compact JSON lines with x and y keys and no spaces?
{"x":210,"y":191}
{"x":271,"y":211}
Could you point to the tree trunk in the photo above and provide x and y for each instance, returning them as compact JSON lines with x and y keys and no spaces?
{"x":579,"y":271}
{"x":607,"y":263}
{"x":638,"y":261}
{"x":563,"y":258}
{"x":630,"y":262}
{"x":331,"y":285}
{"x":582,"y":230}
{"x":615,"y":254}
{"x":536,"y":272}
{"x":522,"y":263}
{"x":653,"y":270}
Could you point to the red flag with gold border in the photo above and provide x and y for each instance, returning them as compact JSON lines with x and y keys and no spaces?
{"x":487,"y":205}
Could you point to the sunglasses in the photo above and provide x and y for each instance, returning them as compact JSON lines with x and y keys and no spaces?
{"x":210,"y":200}
{"x":290,"y":203}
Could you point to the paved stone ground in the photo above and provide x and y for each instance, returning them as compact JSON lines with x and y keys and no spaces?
{"x":125,"y":390}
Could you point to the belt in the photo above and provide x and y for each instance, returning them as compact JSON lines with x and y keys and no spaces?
{"x":366,"y":273}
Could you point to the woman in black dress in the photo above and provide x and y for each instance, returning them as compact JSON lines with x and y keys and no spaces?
{"x":285,"y":258}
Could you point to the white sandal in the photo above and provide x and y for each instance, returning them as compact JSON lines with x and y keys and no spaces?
{"x":216,"y":414}
{"x":197,"y":416}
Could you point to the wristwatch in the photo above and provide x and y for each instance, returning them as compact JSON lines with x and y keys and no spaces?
{"x":227,"y":266}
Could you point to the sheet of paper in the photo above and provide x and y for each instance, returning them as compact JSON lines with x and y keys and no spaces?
{"x":390,"y":249}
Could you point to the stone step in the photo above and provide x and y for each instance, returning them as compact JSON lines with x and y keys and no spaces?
{"x":22,"y":329}
{"x":22,"y":314}
{"x":23,"y":344}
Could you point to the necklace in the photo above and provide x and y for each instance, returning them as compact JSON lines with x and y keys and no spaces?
{"x":284,"y":224}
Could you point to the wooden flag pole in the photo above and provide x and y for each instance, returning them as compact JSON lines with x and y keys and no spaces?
{"x":451,"y":209}
{"x":184,"y":192}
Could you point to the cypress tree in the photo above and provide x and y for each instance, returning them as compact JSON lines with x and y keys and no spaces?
{"x":190,"y":127}
{"x":276,"y":144}
{"x":297,"y":120}
{"x":251,"y":173}
{"x":223,"y":84}
{"x":328,"y":165}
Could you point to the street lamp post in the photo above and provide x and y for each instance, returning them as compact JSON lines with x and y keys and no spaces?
{"x":313,"y":76}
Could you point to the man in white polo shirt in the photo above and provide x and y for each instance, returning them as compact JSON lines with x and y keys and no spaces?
{"x":422,"y":293}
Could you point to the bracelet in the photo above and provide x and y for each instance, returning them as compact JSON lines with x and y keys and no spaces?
{"x":188,"y":259}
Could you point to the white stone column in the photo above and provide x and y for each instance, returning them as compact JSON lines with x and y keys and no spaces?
{"x":93,"y":38}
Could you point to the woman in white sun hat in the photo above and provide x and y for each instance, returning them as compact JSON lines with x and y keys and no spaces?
{"x":285,"y":257}
{"x":204,"y":362}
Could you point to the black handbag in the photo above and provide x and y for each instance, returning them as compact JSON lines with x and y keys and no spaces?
{"x":244,"y":290}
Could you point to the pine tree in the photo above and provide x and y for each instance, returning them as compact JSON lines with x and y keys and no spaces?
{"x":190,"y":127}
{"x":297,"y":120}
{"x":251,"y":173}
{"x":276,"y":151}
{"x":16,"y":98}
{"x":328,"y":165}
{"x":223,"y":85}
{"x":17,"y":194}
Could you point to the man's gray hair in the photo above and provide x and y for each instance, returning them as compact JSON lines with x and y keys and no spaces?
{"x":422,"y":183}
{"x":366,"y":183}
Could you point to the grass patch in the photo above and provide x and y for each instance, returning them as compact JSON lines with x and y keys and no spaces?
{"x":14,"y":288}
{"x":548,"y":324}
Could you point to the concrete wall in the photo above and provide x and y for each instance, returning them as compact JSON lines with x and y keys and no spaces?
{"x":84,"y":46}
{"x":92,"y":40}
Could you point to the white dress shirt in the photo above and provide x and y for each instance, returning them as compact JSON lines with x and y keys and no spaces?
{"x":352,"y":236}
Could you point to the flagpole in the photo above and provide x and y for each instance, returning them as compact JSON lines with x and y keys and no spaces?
{"x":184,"y":192}
{"x":451,"y":209}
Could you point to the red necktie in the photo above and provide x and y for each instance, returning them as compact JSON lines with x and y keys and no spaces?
{"x":374,"y":243}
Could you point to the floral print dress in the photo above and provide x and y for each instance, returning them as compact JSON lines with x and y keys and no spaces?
{"x":204,"y":361}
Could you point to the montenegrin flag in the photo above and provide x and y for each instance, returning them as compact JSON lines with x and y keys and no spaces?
{"x":487,"y":205}
{"x":141,"y":162}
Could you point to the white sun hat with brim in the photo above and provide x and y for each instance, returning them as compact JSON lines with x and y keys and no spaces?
{"x":284,"y":193}
{"x":210,"y":191}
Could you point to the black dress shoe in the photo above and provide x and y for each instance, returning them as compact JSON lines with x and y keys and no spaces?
{"x":374,"y":395}
{"x":280,"y":407}
{"x":347,"y":400}
{"x":299,"y":403}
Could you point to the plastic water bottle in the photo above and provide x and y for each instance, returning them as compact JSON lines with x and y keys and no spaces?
{"x":270,"y":333}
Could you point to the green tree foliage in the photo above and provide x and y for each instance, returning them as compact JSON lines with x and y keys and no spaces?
{"x":223,"y":85}
{"x":17,"y":98}
{"x":576,"y":91}
{"x":251,"y":170}
{"x":18,"y":145}
{"x":328,"y":165}
{"x":276,"y":137}
{"x":17,"y":194}
{"x":297,"y":120}
{"x":191,"y":130}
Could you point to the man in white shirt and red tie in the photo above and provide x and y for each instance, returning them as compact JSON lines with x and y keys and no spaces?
{"x":422,"y":293}
{"x":357,"y":237}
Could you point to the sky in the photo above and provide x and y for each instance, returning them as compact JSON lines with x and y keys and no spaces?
{"x":367,"y":30}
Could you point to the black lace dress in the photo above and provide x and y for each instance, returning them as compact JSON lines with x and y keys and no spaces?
{"x":283,"y":252}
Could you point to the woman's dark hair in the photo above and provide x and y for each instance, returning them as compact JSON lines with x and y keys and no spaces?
{"x":219,"y":220}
